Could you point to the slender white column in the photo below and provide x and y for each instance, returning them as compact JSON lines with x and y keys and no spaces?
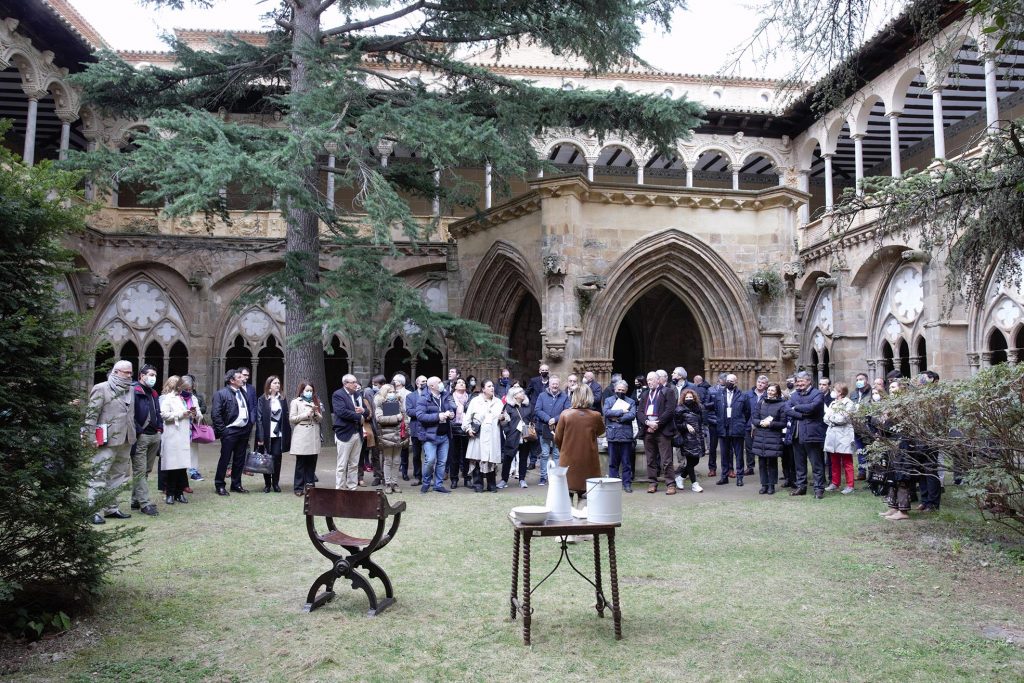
{"x":991,"y":93}
{"x":65,"y":142}
{"x":487,"y":185}
{"x":29,"y":155}
{"x":330,"y":182}
{"x":540,"y":173}
{"x":689,"y":177}
{"x":436,"y":207}
{"x":894,"y":143}
{"x":590,"y":171}
{"x":804,"y":185}
{"x":829,"y":198}
{"x":640,"y":174}
{"x":938,"y":127}
{"x":858,"y":160}
{"x":735,"y":177}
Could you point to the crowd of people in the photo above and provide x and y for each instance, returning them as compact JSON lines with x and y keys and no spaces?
{"x":443,"y":434}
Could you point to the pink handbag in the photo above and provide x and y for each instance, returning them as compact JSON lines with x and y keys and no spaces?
{"x":202,"y":433}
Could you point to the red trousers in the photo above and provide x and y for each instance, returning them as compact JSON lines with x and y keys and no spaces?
{"x":842,"y":462}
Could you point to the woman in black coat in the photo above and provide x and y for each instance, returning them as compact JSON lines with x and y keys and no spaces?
{"x":689,"y":423}
{"x":769,"y":420}
{"x":273,"y":430}
{"x":514,"y":430}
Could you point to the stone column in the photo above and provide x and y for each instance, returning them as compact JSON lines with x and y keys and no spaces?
{"x":1012,"y":356}
{"x":804,"y":185}
{"x":591,"y":162}
{"x":915,"y":365}
{"x":65,"y":142}
{"x":872,"y":365}
{"x":829,"y":198}
{"x":487,"y":185}
{"x":858,"y":157}
{"x":991,"y":93}
{"x":639,"y":174}
{"x":894,"y":142}
{"x":735,"y":176}
{"x":974,"y":362}
{"x":689,"y":177}
{"x":938,"y":122}
{"x":29,"y":153}
{"x":986,"y":359}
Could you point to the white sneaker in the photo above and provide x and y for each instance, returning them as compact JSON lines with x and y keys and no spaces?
{"x":848,"y":490}
{"x":502,"y":484}
{"x":522,"y":484}
{"x":679,"y":482}
{"x":697,"y":488}
{"x":831,"y":487}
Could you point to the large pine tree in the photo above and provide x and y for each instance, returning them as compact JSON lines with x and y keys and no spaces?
{"x":334,"y":88}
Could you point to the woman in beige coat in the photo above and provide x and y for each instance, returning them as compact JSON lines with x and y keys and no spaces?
{"x":176,"y":440}
{"x":484,"y":446}
{"x":304,"y":415}
{"x":389,"y":409}
{"x":576,"y":437}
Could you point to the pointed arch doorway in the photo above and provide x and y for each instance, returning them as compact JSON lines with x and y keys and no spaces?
{"x":658,"y":332}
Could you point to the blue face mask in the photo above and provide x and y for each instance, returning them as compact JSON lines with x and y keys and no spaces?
{"x":151,"y":381}
{"x":860,"y":384}
{"x":308,"y":395}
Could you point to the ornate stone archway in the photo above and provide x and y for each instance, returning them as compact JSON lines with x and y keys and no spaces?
{"x":703,"y":281}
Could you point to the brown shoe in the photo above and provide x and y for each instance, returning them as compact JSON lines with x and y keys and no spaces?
{"x":671,"y":490}
{"x":732,"y":475}
{"x":653,"y":488}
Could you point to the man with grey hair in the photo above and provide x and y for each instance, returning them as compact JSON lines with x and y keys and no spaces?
{"x":655,"y":410}
{"x":349,"y":415}
{"x":110,"y":423}
{"x":232,"y":423}
{"x":595,"y":387}
{"x":753,"y":399}
{"x":731,"y":418}
{"x":806,"y":409}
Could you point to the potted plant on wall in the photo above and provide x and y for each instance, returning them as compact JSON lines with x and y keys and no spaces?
{"x":767,"y":284}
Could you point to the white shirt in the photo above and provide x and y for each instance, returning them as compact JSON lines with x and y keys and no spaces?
{"x":728,"y":404}
{"x":275,"y":407}
{"x":243,"y":409}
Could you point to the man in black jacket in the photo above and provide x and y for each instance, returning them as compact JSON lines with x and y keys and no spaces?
{"x":148,"y":427}
{"x":538,"y":385}
{"x":232,"y":423}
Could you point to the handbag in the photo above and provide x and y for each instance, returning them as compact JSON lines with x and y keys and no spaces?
{"x":475,"y":426}
{"x":258,"y":463}
{"x":202,"y":433}
{"x":531,"y":432}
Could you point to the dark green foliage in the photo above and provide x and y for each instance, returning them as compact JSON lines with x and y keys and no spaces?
{"x":978,"y":424}
{"x":51,"y":558}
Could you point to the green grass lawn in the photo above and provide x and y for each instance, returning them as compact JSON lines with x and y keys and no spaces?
{"x":725,"y":585}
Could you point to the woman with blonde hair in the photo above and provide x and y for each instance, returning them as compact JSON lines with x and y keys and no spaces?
{"x":576,"y":437}
{"x":393,"y":422}
{"x":176,"y":440}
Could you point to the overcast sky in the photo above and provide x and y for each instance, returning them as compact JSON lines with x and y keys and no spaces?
{"x":699,"y":43}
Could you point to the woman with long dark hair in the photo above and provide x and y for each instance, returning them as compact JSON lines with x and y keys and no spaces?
{"x":689,"y":424}
{"x":273,"y":431}
{"x":304,"y":416}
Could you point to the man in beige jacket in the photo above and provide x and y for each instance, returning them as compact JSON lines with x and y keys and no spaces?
{"x":111,"y":404}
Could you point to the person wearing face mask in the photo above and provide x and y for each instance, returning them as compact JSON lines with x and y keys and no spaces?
{"x":806,"y":411}
{"x":732,"y":415}
{"x":689,"y":424}
{"x":619,"y":412}
{"x":790,"y":386}
{"x":504,"y":384}
{"x":149,"y":427}
{"x":472,"y":385}
{"x":273,"y":431}
{"x":860,"y":397}
{"x":769,"y":421}
{"x":175,"y":445}
{"x":393,"y":423}
{"x":537,"y":386}
{"x":412,"y":401}
{"x":304,"y":416}
{"x":839,"y":438}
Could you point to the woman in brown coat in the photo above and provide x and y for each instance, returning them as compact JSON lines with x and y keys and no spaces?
{"x":576,"y":438}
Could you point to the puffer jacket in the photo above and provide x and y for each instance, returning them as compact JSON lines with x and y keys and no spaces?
{"x":390,"y":426}
{"x":692,"y":443}
{"x":513,"y":437}
{"x":839,"y":436}
{"x":768,"y":440}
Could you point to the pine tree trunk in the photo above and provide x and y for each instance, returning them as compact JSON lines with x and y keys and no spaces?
{"x":304,"y":361}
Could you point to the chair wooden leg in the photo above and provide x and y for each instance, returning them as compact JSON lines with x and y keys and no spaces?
{"x":313,"y":601}
{"x":374,"y":571}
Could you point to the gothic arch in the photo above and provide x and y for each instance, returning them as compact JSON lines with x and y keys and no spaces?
{"x":693,"y":271}
{"x":498,"y":285}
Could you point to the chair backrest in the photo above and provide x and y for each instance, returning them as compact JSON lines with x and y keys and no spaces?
{"x":344,"y":504}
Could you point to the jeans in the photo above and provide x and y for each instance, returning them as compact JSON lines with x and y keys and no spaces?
{"x":815,"y":452}
{"x":548,"y":449}
{"x":769,"y":471}
{"x":144,"y":455}
{"x":417,"y":459}
{"x":620,"y":458}
{"x":748,"y":446}
{"x":506,"y":462}
{"x":457,"y":463}
{"x":435,"y":458}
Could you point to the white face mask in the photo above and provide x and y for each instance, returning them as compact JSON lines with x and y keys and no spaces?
{"x":834,"y":395}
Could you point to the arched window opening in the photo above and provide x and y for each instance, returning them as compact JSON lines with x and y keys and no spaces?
{"x":177,"y":359}
{"x":155,"y":357}
{"x":922,"y":354}
{"x":997,"y":348}
{"x":905,"y":358}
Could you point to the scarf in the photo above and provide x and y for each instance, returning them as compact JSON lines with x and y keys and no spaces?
{"x":119,"y":384}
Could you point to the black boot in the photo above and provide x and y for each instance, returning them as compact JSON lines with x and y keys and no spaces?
{"x":492,"y":486}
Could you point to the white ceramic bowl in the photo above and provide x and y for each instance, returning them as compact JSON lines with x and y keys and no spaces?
{"x":530,"y":514}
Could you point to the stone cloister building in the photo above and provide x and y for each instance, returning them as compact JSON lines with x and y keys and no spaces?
{"x":623,"y":259}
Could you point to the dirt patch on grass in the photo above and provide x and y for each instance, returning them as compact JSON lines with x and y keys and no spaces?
{"x":16,"y":654}
{"x":1011,"y":635}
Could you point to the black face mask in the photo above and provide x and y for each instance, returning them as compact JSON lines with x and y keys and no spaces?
{"x":688,"y":399}
{"x":789,"y":385}
{"x":730,"y":386}
{"x":504,"y":381}
{"x":620,"y":394}
{"x":544,"y":375}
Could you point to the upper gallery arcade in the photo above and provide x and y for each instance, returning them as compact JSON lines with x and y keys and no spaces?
{"x":620,"y":258}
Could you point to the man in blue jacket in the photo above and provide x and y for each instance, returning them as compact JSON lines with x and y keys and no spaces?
{"x":148,"y":426}
{"x":550,"y":404}
{"x":807,"y":413}
{"x":435,"y":411}
{"x":732,"y":417}
{"x":349,"y":415}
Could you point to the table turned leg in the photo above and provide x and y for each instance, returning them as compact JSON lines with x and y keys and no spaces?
{"x":515,"y":574}
{"x":616,"y":612}
{"x":526,"y":588}
{"x":598,"y":592}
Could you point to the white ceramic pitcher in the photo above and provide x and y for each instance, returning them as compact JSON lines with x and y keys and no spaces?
{"x":558,"y":502}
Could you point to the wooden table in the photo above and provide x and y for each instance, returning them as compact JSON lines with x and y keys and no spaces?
{"x":523,"y":533}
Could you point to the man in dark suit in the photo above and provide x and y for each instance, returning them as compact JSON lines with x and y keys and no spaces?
{"x":348,"y":413}
{"x":537,"y":386}
{"x":250,"y":393}
{"x":503,"y":384}
{"x":655,"y":411}
{"x":753,"y":399}
{"x":411,"y":402}
{"x":807,"y":412}
{"x":731,"y":415}
{"x":233,"y":417}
